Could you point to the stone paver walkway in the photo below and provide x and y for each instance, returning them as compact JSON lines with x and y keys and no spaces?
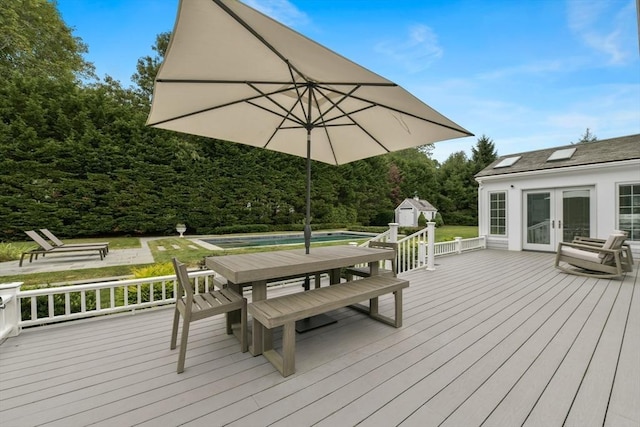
{"x":77,"y":261}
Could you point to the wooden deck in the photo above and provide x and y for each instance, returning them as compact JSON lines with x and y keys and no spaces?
{"x":490,"y":338}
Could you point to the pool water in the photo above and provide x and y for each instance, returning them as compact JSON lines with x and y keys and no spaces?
{"x":282,"y":239}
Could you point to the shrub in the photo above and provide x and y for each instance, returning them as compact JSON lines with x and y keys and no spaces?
{"x":154,"y":270}
{"x":422,"y":221}
{"x":11,"y":251}
{"x":244,"y":228}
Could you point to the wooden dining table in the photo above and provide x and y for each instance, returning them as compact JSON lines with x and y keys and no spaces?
{"x":259,"y":268}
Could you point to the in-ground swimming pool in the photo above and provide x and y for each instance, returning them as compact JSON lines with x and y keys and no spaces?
{"x":283,"y":239}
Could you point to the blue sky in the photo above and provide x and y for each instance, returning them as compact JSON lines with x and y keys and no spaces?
{"x":528,"y":74}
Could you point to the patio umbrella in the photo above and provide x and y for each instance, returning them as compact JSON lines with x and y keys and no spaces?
{"x":234,"y":74}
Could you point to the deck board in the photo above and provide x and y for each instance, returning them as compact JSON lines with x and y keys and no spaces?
{"x":490,"y":338}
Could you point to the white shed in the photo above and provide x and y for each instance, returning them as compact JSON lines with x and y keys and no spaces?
{"x":536,"y":199}
{"x":408,"y":212}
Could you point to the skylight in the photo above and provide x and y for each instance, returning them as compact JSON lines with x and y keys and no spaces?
{"x":563,"y":154}
{"x":509,"y":161}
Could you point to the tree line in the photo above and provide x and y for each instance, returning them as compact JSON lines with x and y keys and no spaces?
{"x":77,"y":158}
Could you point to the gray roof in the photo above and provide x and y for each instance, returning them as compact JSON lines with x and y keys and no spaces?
{"x":604,"y":151}
{"x":420,"y":204}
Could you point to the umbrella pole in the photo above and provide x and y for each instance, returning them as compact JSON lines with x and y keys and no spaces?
{"x":307,"y":222}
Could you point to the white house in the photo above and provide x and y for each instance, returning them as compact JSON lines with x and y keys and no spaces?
{"x":408,"y":212}
{"x":533,"y":200}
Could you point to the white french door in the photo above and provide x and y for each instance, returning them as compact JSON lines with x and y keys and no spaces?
{"x":557,"y":215}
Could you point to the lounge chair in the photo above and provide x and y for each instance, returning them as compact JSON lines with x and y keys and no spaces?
{"x":590,"y":260}
{"x":59,"y":243}
{"x":626,"y":254}
{"x":46,"y":248}
{"x":194,"y":307}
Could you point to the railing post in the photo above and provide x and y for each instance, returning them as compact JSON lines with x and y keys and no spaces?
{"x":431,"y":240}
{"x":9,"y":310}
{"x":422,"y":253}
{"x":393,"y":232}
{"x":458,"y":244}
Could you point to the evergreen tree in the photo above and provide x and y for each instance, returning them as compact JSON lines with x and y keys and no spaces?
{"x":586,"y":138}
{"x":483,"y":154}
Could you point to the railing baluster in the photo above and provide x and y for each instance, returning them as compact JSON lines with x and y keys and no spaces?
{"x":83,"y":301}
{"x":51,"y":307}
{"x":34,"y":308}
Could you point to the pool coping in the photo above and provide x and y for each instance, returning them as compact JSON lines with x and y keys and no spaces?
{"x":200,"y":240}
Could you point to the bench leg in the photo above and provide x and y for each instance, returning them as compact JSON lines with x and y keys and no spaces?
{"x":397,"y":321}
{"x":288,"y":349}
{"x":284,"y":363}
{"x":234,"y":316}
{"x":259,"y":334}
{"x":373,"y":306}
{"x":398,"y":297}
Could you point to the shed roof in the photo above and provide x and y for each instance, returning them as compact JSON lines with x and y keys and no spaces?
{"x":420,"y":204}
{"x":604,"y":151}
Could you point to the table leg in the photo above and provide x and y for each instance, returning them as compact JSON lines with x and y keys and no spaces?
{"x":259,"y":333}
{"x":374,"y":268}
{"x":334,"y":276}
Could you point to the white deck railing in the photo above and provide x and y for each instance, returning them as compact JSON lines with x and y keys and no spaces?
{"x":413,"y":250}
{"x":63,"y":303}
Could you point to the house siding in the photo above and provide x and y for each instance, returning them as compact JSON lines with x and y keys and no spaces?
{"x":603,"y":178}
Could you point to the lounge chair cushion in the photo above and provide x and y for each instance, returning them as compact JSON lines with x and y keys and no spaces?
{"x":581,"y":254}
{"x":614,"y":240}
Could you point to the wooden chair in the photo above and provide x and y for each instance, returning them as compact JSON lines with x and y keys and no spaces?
{"x":194,"y":307}
{"x":365,"y":271}
{"x":589,"y":260}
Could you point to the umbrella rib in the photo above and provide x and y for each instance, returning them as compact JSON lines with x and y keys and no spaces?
{"x":271,"y":82}
{"x":237,"y":101}
{"x":376,"y":104}
{"x":314,"y":96}
{"x":289,"y":113}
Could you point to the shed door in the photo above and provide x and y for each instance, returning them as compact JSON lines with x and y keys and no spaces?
{"x":406,"y":217}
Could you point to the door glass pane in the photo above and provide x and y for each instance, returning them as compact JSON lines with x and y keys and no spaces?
{"x":538,"y":218}
{"x":575,"y":214}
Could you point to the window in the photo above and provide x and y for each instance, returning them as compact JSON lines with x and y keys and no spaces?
{"x":563,"y":154}
{"x":498,"y":213}
{"x":629,"y":210}
{"x":509,"y":161}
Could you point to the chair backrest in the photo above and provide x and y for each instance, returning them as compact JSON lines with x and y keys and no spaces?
{"x":387,"y":245}
{"x":614,"y":241}
{"x":52,"y":237}
{"x":183,"y":279}
{"x":39,"y":240}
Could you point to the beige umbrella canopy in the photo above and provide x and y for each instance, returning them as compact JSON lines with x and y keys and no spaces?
{"x":234,"y":74}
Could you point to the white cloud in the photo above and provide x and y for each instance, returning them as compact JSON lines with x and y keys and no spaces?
{"x":608,"y":27}
{"x":280,"y":10}
{"x":416,"y":52}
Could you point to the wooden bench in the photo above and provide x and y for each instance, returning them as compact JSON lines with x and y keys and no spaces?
{"x":286,"y":310}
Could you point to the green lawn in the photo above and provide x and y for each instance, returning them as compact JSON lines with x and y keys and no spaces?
{"x":193,"y":257}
